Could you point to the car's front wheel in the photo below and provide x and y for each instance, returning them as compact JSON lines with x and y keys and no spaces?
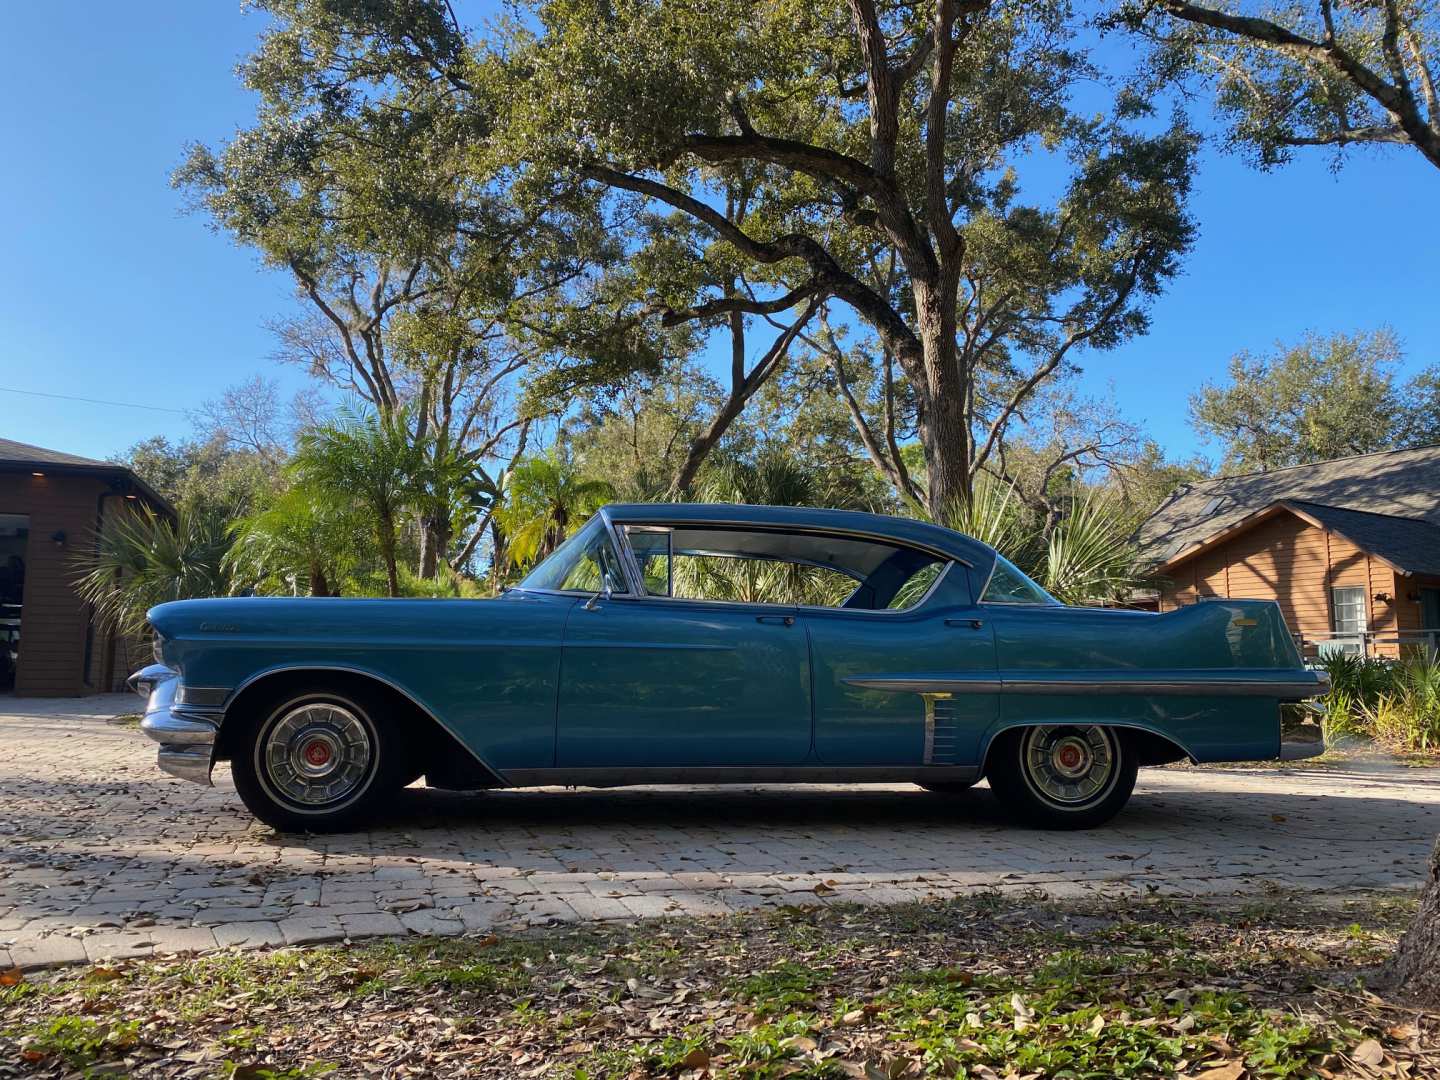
{"x":320,"y":760}
{"x":1063,"y":776}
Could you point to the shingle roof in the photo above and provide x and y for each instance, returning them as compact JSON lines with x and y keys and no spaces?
{"x":1410,"y":545}
{"x":1395,"y":484}
{"x":19,"y":453}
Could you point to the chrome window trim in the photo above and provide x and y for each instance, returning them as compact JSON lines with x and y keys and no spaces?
{"x":995,"y":562}
{"x":619,"y":554}
{"x":627,"y":561}
{"x":632,"y":567}
{"x":628,"y":554}
{"x":818,"y":530}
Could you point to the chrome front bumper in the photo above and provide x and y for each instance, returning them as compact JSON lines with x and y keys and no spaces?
{"x":186,"y":735}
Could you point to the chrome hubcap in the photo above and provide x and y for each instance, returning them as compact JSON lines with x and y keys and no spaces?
{"x":317,"y":754}
{"x":1069,"y":765}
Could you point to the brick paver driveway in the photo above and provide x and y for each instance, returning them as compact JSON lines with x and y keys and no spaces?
{"x":102,"y":855}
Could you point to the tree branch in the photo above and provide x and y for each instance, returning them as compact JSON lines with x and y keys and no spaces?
{"x":1395,"y":100}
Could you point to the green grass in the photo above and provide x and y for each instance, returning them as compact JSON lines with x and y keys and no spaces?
{"x":955,"y":989}
{"x":85,"y":1045}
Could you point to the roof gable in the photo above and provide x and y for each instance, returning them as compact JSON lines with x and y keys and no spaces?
{"x":1394,"y":483}
{"x":1405,"y":544}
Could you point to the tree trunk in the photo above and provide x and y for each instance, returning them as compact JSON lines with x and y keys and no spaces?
{"x":944,"y":416}
{"x":387,"y":553}
{"x":1417,"y":961}
{"x":434,"y":542}
{"x":319,"y":585}
{"x":705,"y":442}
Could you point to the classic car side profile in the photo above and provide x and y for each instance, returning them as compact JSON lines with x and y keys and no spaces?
{"x":705,"y":643}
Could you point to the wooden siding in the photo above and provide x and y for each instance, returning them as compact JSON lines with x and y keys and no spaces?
{"x":1296,"y":564}
{"x":54,"y":621}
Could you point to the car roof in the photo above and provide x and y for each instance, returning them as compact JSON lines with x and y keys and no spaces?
{"x":810,"y":519}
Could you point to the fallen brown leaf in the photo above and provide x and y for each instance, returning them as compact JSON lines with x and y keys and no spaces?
{"x":1369,"y":1053}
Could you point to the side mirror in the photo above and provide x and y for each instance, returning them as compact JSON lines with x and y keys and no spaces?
{"x":594,"y":601}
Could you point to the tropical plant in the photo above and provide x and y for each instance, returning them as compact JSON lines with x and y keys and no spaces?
{"x":1407,"y":717}
{"x":545,"y":498}
{"x":993,"y":515}
{"x":1089,"y":556}
{"x":143,"y":558}
{"x":297,"y":541}
{"x":369,"y":463}
{"x":772,"y":478}
{"x":1397,"y":703}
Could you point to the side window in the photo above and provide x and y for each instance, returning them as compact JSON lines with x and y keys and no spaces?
{"x":587,"y":562}
{"x":916,"y":586}
{"x":694,"y":562}
{"x":706,"y":575}
{"x":1008,"y":585}
{"x":651,"y":547}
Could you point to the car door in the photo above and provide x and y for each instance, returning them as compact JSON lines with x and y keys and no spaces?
{"x":663,"y":681}
{"x":907,"y":686}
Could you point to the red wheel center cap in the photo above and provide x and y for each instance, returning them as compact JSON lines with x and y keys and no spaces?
{"x":317,"y":753}
{"x":1069,"y":756}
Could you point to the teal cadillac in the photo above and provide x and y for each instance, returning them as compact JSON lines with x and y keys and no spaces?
{"x":717,"y":644}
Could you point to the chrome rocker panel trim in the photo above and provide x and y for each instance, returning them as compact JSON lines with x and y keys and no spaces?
{"x":624,"y":776}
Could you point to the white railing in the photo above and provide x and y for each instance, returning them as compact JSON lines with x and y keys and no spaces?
{"x":1371,"y":643}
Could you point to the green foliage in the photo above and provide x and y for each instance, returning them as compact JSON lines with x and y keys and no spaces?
{"x":1089,"y":555}
{"x":298,"y":541}
{"x":1395,"y":703}
{"x":81,"y":1043}
{"x":1324,"y":397}
{"x":143,"y":558}
{"x":205,"y":476}
{"x":546,"y":498}
{"x":370,"y":464}
{"x":1304,"y":74}
{"x":1086,"y":556}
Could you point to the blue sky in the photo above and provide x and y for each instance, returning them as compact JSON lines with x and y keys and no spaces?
{"x":108,"y":291}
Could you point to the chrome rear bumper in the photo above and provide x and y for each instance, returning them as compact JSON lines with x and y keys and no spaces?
{"x":186,"y":735}
{"x":1301,"y":741}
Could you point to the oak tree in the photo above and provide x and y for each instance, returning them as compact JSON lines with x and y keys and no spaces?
{"x":1316,"y":73}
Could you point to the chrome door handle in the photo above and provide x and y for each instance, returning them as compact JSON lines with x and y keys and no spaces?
{"x":777,"y":620}
{"x":973,"y":624}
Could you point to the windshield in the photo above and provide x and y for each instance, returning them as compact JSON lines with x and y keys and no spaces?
{"x":1008,"y":585}
{"x":585,"y":563}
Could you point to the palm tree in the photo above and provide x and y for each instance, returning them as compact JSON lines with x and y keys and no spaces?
{"x":370,"y":463}
{"x":297,"y":537}
{"x":774,"y":478}
{"x":1089,"y":555}
{"x":143,"y":558}
{"x":994,"y":515}
{"x":545,"y":497}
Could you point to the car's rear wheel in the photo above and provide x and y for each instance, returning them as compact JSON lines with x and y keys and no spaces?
{"x":1063,"y":776}
{"x":318,"y":760}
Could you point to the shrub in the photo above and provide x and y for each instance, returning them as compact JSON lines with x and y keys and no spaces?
{"x":1408,"y":716}
{"x":1397,"y":704}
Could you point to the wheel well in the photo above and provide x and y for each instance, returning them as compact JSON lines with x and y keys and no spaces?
{"x":432,"y":748}
{"x":1150,"y":748}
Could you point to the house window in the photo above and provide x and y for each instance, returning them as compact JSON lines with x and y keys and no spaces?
{"x":1349,"y":606}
